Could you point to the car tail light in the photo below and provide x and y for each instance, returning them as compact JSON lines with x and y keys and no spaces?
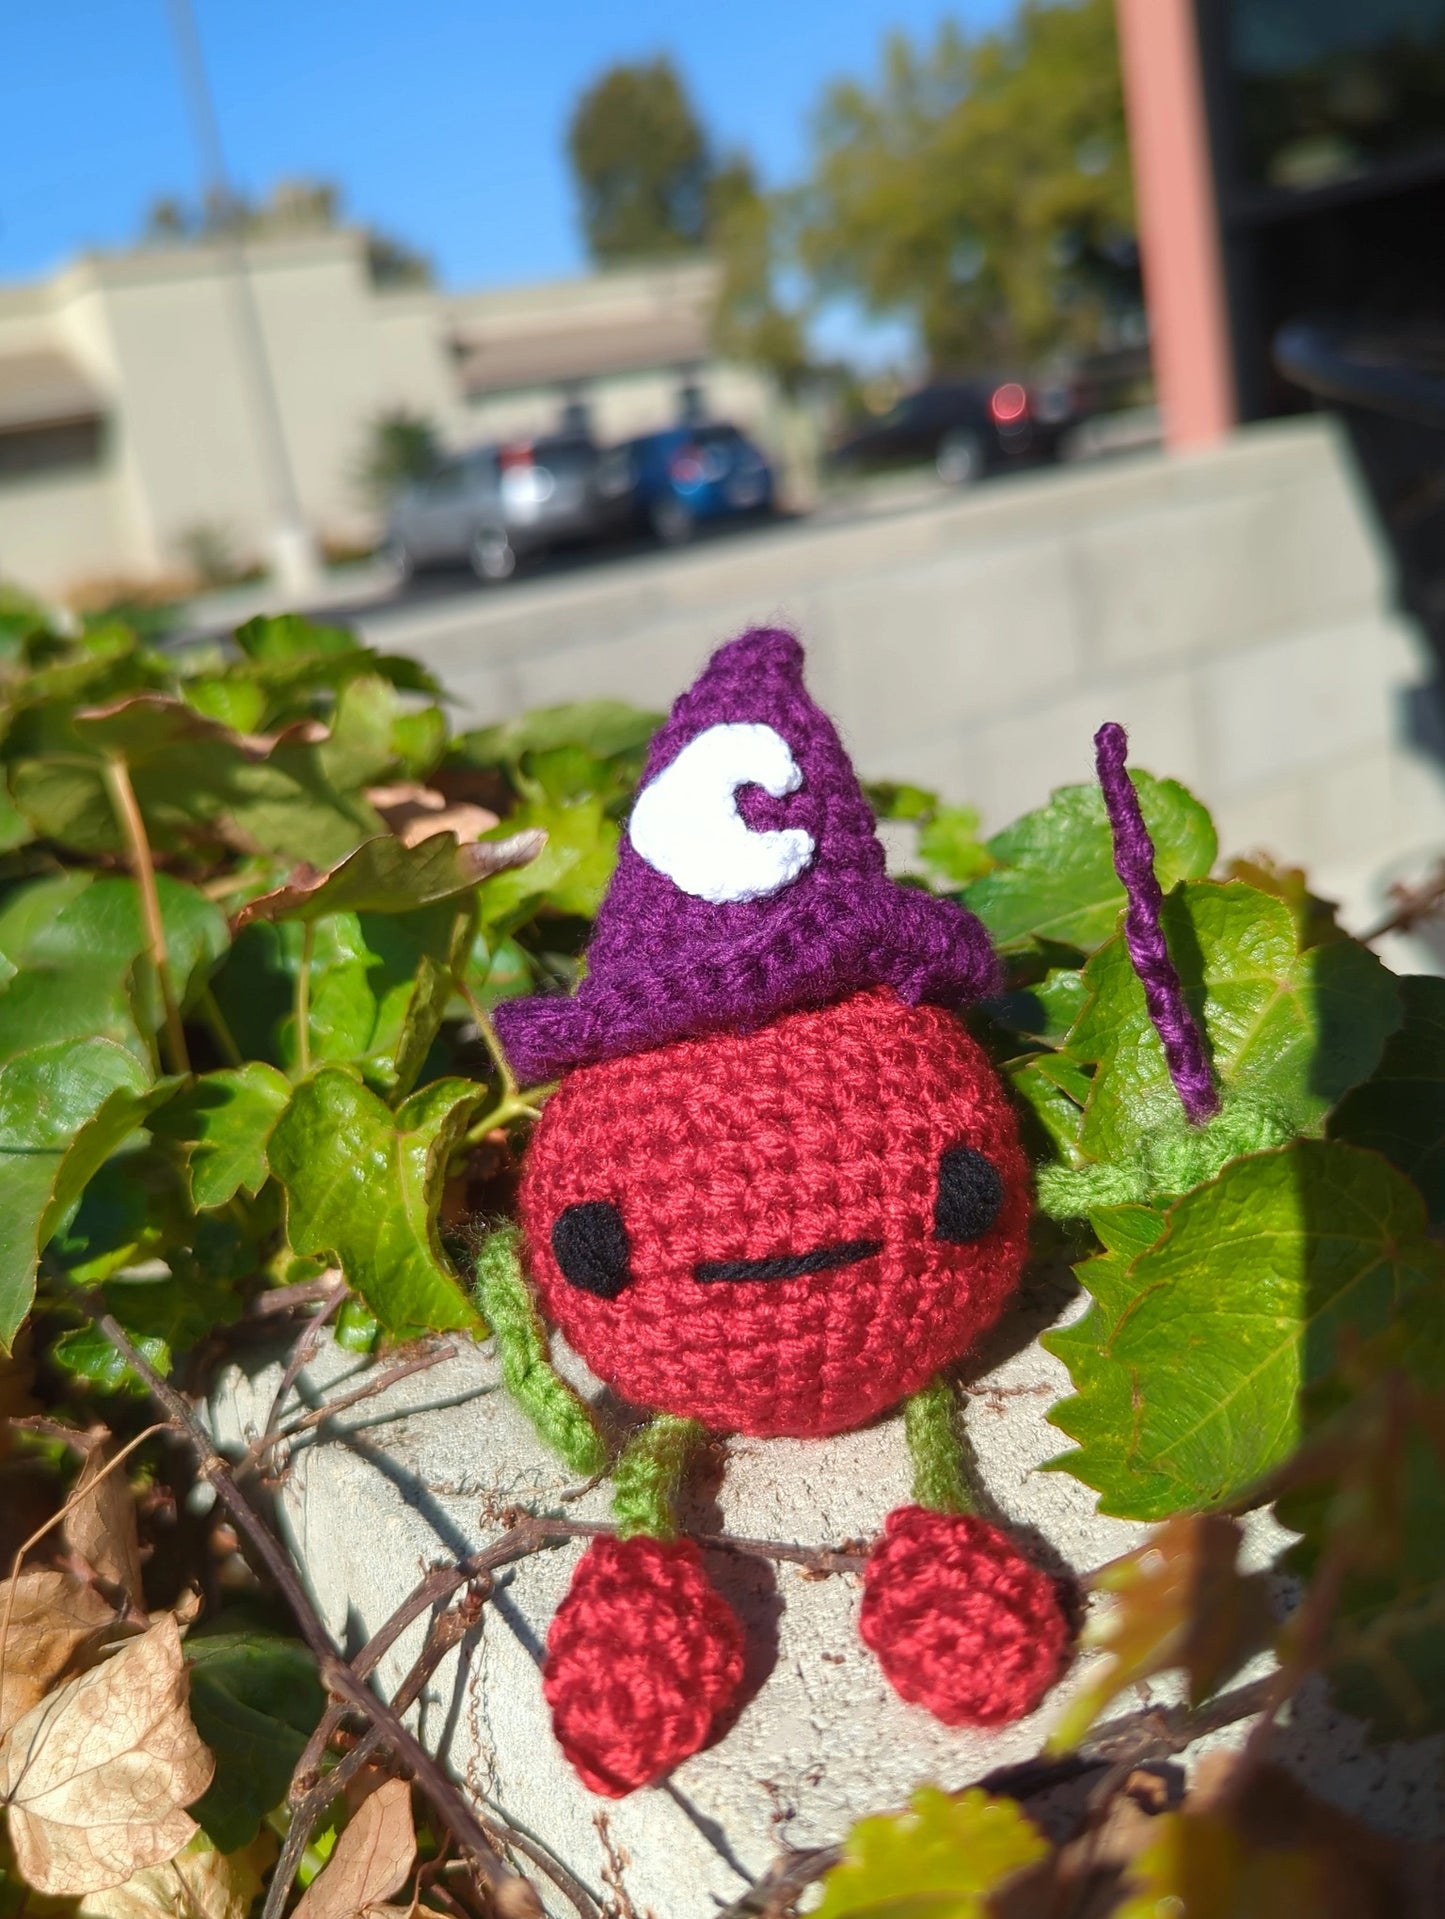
{"x":685,"y":466}
{"x":1008,"y":404}
{"x":512,"y":457}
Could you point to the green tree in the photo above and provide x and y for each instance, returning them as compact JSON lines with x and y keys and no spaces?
{"x":651,"y":186}
{"x":980,"y":186}
{"x":752,"y":323}
{"x":642,"y":164}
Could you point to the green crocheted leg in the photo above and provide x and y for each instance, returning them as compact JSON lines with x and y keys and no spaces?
{"x":527,"y":1371}
{"x":938,"y":1450}
{"x":649,"y":1476}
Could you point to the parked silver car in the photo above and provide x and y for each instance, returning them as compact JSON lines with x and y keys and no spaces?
{"x":490,"y":508}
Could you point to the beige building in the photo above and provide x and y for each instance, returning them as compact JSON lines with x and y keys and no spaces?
{"x":125,"y":428}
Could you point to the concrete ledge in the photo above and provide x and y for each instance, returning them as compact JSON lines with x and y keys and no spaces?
{"x":396,"y":1484}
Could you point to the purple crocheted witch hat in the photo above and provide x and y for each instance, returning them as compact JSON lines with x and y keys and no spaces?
{"x":750,"y":883}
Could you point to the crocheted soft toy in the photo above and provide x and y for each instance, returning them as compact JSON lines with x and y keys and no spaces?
{"x":779,"y":1190}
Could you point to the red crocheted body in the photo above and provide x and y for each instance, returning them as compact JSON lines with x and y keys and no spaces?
{"x":643,"y":1657}
{"x":820,"y":1134}
{"x":959,"y":1620}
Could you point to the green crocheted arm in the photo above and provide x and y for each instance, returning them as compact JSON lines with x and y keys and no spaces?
{"x":650,"y":1474}
{"x":562,"y":1419}
{"x":940,"y":1454}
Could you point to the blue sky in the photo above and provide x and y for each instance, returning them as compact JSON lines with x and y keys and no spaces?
{"x":443,"y":121}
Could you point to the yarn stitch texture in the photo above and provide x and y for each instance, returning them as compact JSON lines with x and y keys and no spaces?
{"x":665,"y":965}
{"x":1144,"y":931}
{"x":824,"y":1130}
{"x":959,"y":1620}
{"x":643,"y":1659}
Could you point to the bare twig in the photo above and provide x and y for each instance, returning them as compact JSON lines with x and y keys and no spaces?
{"x":375,"y":1382}
{"x":446,"y":1630}
{"x":513,"y":1896}
{"x":1139,"y":1739}
{"x":570,"y":1888}
{"x":1412,"y":905}
{"x":301,"y":1352}
{"x":277,"y":1300}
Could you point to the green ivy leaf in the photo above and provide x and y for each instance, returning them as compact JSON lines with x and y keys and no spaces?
{"x":1055,"y":1090}
{"x":256,"y":1700}
{"x":570,"y":874}
{"x":226,"y":1118}
{"x":1400,"y":1108}
{"x":1055,"y":877}
{"x":1288,"y":1032}
{"x":164,"y":1315}
{"x":196,"y":782}
{"x":64,"y":1108}
{"x":270,"y":638}
{"x":135,"y":1208}
{"x":1047,"y":1011}
{"x":74,"y":943}
{"x":1189,"y":1369}
{"x":606,"y":728}
{"x":942,"y":1859}
{"x":364,"y":1186}
{"x":949,"y":846}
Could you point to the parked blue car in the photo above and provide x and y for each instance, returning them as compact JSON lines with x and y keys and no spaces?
{"x":672,"y":483}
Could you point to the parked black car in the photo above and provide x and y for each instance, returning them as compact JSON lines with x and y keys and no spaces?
{"x":968,"y":429}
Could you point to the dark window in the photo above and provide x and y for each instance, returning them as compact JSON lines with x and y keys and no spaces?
{"x":56,"y":448}
{"x":1330,"y":88}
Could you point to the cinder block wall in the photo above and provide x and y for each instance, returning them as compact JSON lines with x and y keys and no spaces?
{"x":1233,"y":609}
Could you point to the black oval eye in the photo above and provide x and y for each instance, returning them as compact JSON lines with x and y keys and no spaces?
{"x":970,"y":1194}
{"x":592,"y":1249}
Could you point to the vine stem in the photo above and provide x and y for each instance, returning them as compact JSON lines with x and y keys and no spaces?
{"x":490,"y":1040}
{"x":303,"y":999}
{"x":513,"y":1897}
{"x":220,"y":1029}
{"x":132,"y":824}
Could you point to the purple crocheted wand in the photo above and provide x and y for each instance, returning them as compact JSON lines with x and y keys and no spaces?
{"x":1144,"y":932}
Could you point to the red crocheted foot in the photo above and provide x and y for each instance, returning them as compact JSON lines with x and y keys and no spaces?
{"x":959,"y":1620}
{"x":642,"y":1659}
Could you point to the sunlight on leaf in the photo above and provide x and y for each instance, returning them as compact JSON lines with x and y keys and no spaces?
{"x":1054,"y":875}
{"x":1190,"y":1369}
{"x":364,"y":1185}
{"x":939,"y":1860}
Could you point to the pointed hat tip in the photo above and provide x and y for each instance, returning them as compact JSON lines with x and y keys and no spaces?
{"x":760,"y":648}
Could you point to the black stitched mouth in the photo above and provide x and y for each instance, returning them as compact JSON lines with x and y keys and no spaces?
{"x":789,"y":1265}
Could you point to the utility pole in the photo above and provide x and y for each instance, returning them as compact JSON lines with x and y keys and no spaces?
{"x":296,"y":565}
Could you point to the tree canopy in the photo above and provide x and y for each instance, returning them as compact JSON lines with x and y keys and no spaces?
{"x":642,"y":164}
{"x":981,"y":185}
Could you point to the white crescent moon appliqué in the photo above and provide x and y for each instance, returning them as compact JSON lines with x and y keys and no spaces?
{"x":686,"y":822}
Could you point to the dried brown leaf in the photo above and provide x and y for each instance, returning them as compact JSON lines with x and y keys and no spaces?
{"x":98,"y":1775}
{"x":384,"y":876}
{"x":53,"y":1620}
{"x":1178,"y":1601}
{"x":371,"y":1860}
{"x":415,"y":813}
{"x":101,"y":1526}
{"x":199,"y":1883}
